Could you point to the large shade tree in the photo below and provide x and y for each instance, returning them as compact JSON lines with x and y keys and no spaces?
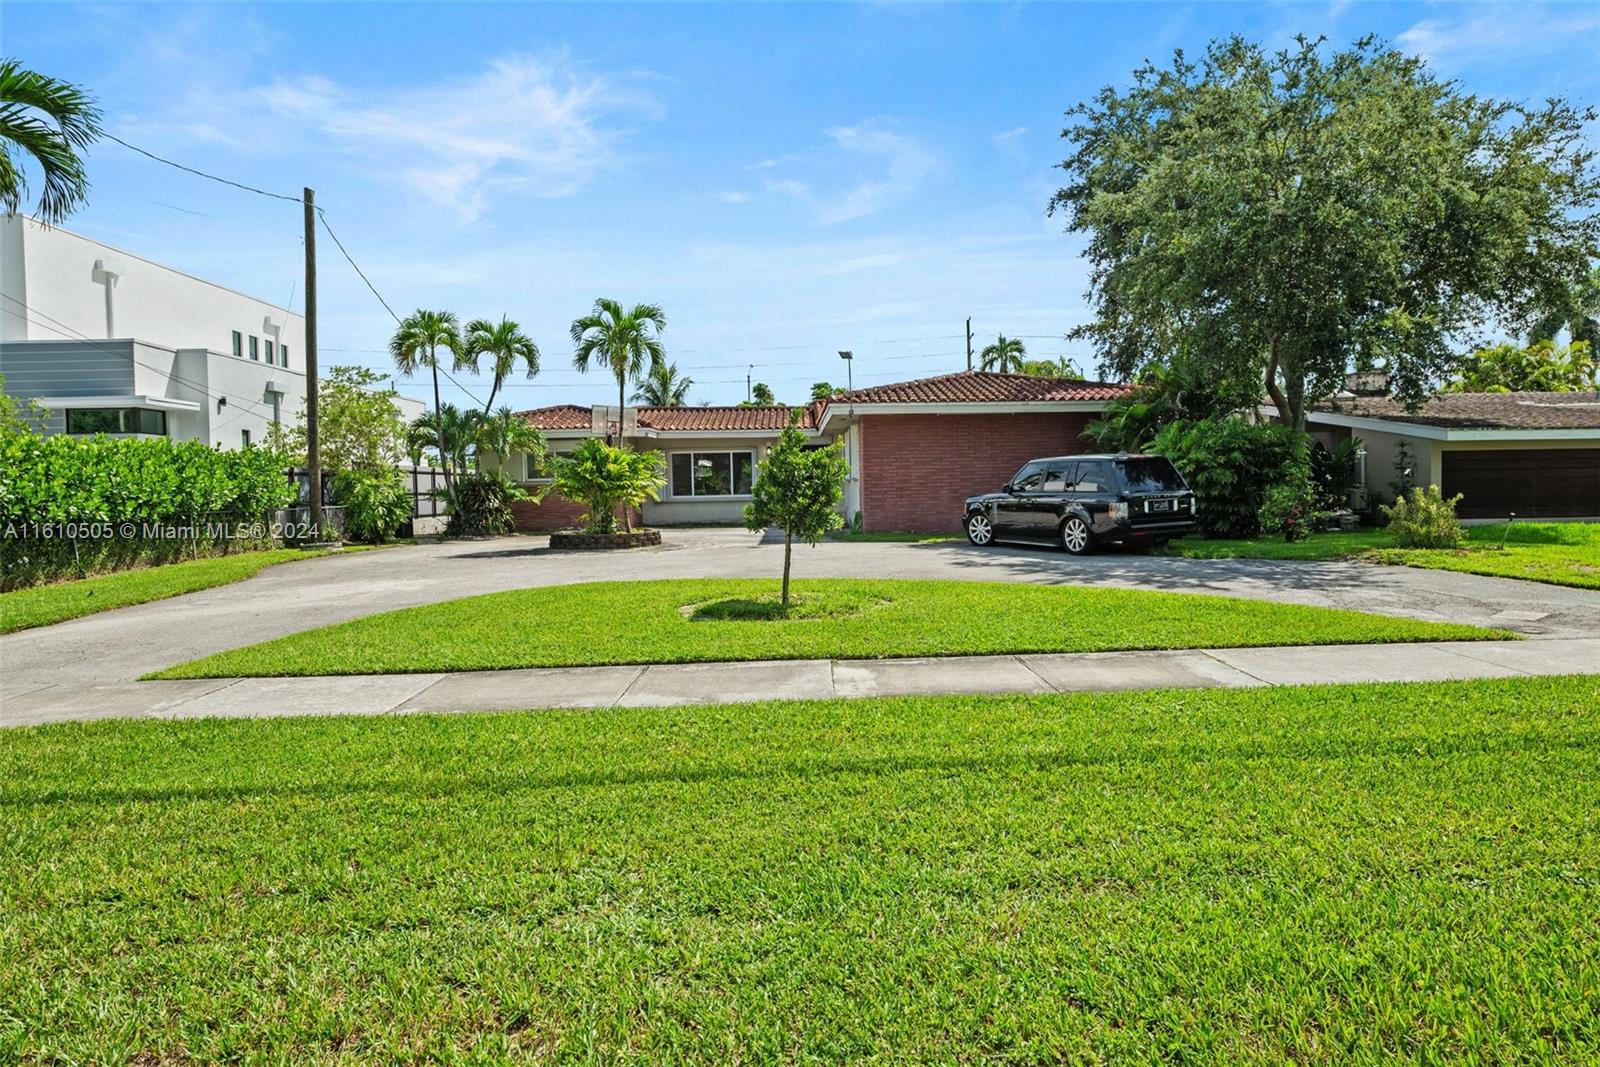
{"x":625,"y":341}
{"x":49,"y":122}
{"x":504,"y":345}
{"x":1285,"y":216}
{"x":415,"y":345}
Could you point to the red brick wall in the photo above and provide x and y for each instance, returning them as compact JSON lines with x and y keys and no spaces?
{"x":554,"y":512}
{"x":917,"y":470}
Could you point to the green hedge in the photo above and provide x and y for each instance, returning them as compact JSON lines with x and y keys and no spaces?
{"x":72,"y":506}
{"x":1230,"y":464}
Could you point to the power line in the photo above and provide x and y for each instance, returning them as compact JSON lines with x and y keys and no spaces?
{"x":323,"y":215}
{"x":200,"y":173}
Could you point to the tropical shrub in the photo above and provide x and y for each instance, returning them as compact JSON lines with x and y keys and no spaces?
{"x":1230,"y":464}
{"x":479,"y":504}
{"x":1424,"y":519}
{"x":359,"y":425}
{"x":1164,"y":395}
{"x":71,"y":506}
{"x":799,"y":490}
{"x":605,"y":478}
{"x":1335,"y":472}
{"x":1288,"y":508}
{"x":376,"y":503}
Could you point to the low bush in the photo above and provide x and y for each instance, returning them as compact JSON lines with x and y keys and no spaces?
{"x":1424,"y":519}
{"x":376,"y":503}
{"x":1230,"y":464}
{"x":74,"y":506}
{"x":606,"y":478}
{"x":480,"y":504}
{"x":1288,"y":509}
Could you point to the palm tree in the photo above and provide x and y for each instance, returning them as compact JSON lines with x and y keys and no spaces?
{"x":623,"y":341}
{"x":1005,"y":355}
{"x":454,"y":433}
{"x":416,"y":343}
{"x":662,"y":388}
{"x":1579,"y":313}
{"x":51,"y":121}
{"x":504,"y":343}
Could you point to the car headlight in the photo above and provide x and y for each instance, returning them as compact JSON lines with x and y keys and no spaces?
{"x":1118,"y":511}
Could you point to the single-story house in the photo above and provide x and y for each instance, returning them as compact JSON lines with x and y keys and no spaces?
{"x":916,"y":449}
{"x":1535,"y":454}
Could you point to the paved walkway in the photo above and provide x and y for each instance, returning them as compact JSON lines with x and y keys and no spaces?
{"x":87,"y":667}
{"x":720,"y":683}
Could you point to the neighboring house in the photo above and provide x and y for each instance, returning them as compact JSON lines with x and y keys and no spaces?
{"x":110,"y":342}
{"x":1535,"y":454}
{"x":916,"y":449}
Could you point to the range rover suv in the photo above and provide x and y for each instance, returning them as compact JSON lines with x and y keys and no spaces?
{"x":1079,"y":502}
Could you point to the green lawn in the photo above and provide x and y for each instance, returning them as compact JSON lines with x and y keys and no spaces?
{"x":1322,"y":875}
{"x":690,"y":621}
{"x":42,"y":605}
{"x":1561,"y":553}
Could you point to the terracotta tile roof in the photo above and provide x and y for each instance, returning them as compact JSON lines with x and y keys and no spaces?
{"x":559,"y":417}
{"x":719,"y":418}
{"x":1480,"y":411}
{"x":983,"y":387}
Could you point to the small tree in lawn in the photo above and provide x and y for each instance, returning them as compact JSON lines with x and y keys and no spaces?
{"x":799,"y":489}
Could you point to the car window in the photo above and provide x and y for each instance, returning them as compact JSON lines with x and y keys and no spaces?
{"x":1055,"y":477}
{"x":1151,"y":474}
{"x":1028,"y":479}
{"x":1091,"y":478}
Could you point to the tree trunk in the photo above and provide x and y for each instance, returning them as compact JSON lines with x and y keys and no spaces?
{"x":788,"y":540}
{"x":1280,"y":401}
{"x":627,"y":519}
{"x":493,"y":389}
{"x":438,"y":416}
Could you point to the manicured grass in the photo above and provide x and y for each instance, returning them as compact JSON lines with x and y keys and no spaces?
{"x":1326,"y":875}
{"x":1319,"y":546}
{"x":1561,"y":553}
{"x":645,"y":622}
{"x":862,"y":536}
{"x":42,"y":605}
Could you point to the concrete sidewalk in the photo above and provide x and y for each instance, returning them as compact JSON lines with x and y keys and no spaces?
{"x":717,"y":683}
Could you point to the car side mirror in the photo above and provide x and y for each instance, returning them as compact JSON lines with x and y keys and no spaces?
{"x":1006,"y":488}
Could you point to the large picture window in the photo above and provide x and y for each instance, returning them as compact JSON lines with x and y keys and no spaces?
{"x":712,"y":473}
{"x":116,"y":420}
{"x":534,"y":471}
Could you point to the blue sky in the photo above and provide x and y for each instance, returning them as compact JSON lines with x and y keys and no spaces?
{"x":786,"y":181}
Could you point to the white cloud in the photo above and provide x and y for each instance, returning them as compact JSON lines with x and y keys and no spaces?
{"x":1510,"y":32}
{"x":899,"y":164}
{"x":733,"y":196}
{"x":538,"y":127}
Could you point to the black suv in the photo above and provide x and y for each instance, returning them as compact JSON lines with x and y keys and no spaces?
{"x":1078,"y":502}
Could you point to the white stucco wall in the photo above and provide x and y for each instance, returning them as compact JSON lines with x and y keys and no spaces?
{"x":52,"y":272}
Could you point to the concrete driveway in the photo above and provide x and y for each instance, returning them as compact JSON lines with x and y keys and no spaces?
{"x":114,"y":648}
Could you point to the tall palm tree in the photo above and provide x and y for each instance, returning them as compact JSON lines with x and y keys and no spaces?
{"x":504,"y":343}
{"x":662,"y":388}
{"x":416,"y":344}
{"x":51,"y":121}
{"x":1005,"y":355}
{"x":454,"y":433}
{"x":622,"y":341}
{"x":1579,"y":313}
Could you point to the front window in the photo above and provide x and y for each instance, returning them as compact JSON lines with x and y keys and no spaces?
{"x":116,"y":420}
{"x":712,"y":473}
{"x":255,"y":349}
{"x":1029,"y":479}
{"x":269,"y":353}
{"x":535,"y":471}
{"x":283,"y":355}
{"x":238,"y":343}
{"x":244,"y":438}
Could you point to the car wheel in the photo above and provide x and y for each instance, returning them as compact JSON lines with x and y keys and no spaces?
{"x":1075,"y":536}
{"x":980,"y":531}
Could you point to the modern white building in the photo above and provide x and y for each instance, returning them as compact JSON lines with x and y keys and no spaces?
{"x":110,"y":342}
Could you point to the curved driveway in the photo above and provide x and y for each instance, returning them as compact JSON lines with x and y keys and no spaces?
{"x":117,"y":647}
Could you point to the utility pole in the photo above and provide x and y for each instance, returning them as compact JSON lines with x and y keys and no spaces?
{"x":747,"y":382}
{"x":969,"y":342}
{"x":313,"y":457}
